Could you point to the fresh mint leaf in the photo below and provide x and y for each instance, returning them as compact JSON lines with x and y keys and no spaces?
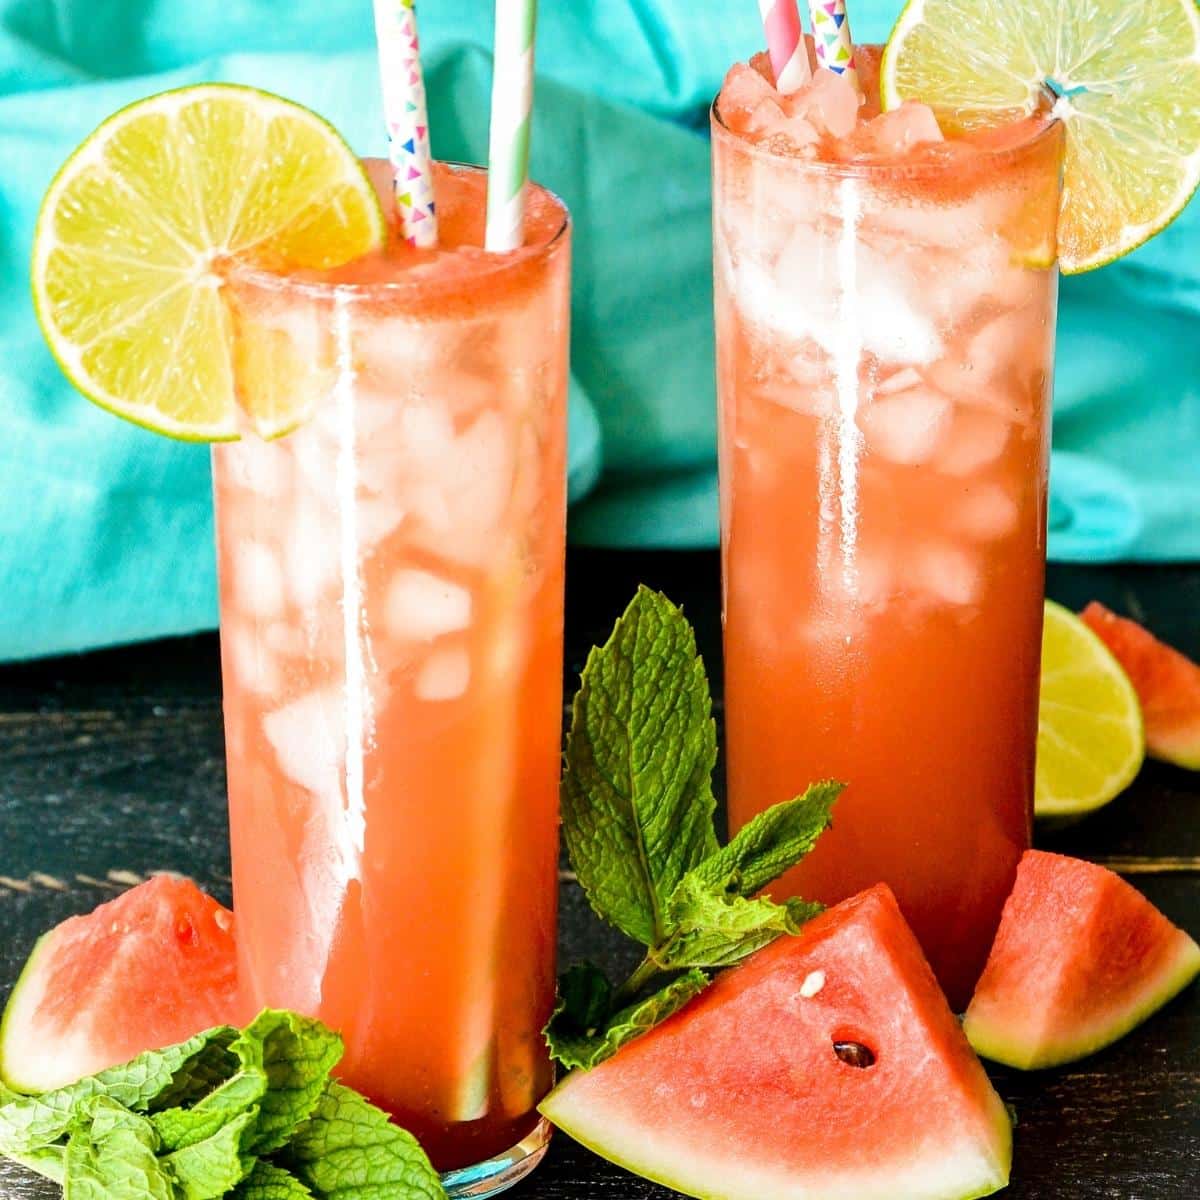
{"x":269,"y":1182}
{"x":111,"y":1155}
{"x":349,"y":1150}
{"x":182,"y":1127}
{"x":717,"y":929}
{"x":771,"y":843}
{"x":30,"y":1122}
{"x":574,"y":1044}
{"x":297,"y":1055}
{"x":210,"y":1067}
{"x":637,"y":787}
{"x":209,"y":1169}
{"x":585,"y":995}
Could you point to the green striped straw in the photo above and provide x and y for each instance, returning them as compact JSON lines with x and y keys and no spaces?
{"x":512,"y":100}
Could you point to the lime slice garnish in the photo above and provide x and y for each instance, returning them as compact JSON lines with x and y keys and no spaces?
{"x":137,"y":223}
{"x":1127,"y":82}
{"x":1090,"y":739}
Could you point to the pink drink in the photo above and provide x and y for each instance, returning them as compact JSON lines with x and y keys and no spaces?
{"x":885,"y":308}
{"x":391,"y":628}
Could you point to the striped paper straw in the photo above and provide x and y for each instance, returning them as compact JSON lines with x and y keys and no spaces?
{"x":407,"y":124}
{"x":831,"y":37}
{"x":512,"y":100}
{"x":785,"y":44}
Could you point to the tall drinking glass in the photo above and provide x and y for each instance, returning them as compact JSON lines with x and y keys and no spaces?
{"x":391,"y":628}
{"x":884,"y":344}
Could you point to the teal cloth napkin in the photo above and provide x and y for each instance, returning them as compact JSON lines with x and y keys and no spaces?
{"x":106,"y":531}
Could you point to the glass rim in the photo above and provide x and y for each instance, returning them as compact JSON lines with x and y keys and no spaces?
{"x":884,"y":170}
{"x":264,"y":278}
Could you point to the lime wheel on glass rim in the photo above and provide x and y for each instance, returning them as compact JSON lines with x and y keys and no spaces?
{"x":134,"y":230}
{"x":1123,"y":78}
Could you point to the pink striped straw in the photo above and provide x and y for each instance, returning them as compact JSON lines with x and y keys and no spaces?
{"x":785,"y":44}
{"x":832,"y":40}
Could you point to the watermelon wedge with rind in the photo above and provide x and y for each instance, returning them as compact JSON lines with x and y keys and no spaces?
{"x":741,"y":1095}
{"x":1080,"y":959}
{"x":148,"y":969}
{"x":1166,"y":681}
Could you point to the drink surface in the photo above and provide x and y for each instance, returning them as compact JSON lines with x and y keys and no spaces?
{"x":391,"y":628}
{"x":885,"y":318}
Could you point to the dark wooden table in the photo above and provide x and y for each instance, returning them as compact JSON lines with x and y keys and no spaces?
{"x":111,"y":767}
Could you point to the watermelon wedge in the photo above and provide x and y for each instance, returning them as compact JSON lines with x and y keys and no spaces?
{"x":1081,"y":957}
{"x":145,"y":970}
{"x":1167,"y":684}
{"x":826,"y":1067}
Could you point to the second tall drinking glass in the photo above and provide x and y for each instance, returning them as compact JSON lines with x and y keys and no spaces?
{"x":391,"y":627}
{"x":884,"y":340}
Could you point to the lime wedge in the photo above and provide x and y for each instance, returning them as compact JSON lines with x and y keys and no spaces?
{"x":1090,"y":739}
{"x":135,"y":228}
{"x":1124,"y":78}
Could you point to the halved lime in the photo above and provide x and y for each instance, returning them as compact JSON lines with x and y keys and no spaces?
{"x":135,"y":227}
{"x":1090,"y":739}
{"x":1124,"y":78}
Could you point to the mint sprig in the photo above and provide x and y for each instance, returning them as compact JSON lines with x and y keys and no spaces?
{"x":638,"y":812}
{"x":251,"y":1114}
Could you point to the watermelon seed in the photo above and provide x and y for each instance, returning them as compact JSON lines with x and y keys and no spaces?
{"x":854,"y":1054}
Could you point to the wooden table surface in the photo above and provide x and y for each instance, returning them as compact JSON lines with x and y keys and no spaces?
{"x":111,"y":767}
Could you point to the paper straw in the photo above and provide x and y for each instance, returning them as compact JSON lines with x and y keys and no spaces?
{"x":831,"y":37}
{"x":407,"y":125}
{"x":785,"y":44}
{"x":512,"y":100}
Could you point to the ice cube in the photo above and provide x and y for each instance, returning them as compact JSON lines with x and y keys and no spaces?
{"x":444,"y":675}
{"x":257,"y":579}
{"x":829,"y":104}
{"x":893,"y":317}
{"x":976,"y":438}
{"x":311,"y":549}
{"x":309,"y":739}
{"x":892,"y":134}
{"x":873,"y":579}
{"x":907,"y":427}
{"x":421,"y":606}
{"x":467,"y":497}
{"x":250,"y":661}
{"x":1005,"y":348}
{"x":260,"y":467}
{"x":948,"y":573}
{"x":985,"y":512}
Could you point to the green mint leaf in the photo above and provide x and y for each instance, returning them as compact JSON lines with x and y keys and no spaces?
{"x":772,"y":843}
{"x":349,"y":1150}
{"x":240,"y":1093}
{"x":31,"y":1122}
{"x":637,"y":785}
{"x":582,"y":1046}
{"x":718,"y":929}
{"x":48,"y":1161}
{"x":296,"y":1053}
{"x":209,"y":1169}
{"x":207,"y":1069}
{"x":269,"y":1182}
{"x":585,"y":995}
{"x":111,"y":1156}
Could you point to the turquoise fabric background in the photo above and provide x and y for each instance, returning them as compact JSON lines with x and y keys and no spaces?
{"x":106,"y":531}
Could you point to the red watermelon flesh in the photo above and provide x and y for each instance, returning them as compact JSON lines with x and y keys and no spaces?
{"x":145,"y":970}
{"x":742,"y":1096}
{"x":1167,"y":684}
{"x":1081,"y":957}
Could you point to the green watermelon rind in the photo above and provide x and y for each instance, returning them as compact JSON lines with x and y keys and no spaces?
{"x":1000,"y":1165}
{"x":994,"y":1042}
{"x":8,"y":1019}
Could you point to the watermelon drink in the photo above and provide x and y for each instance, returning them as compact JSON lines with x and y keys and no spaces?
{"x":391,"y":626}
{"x":885,"y":303}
